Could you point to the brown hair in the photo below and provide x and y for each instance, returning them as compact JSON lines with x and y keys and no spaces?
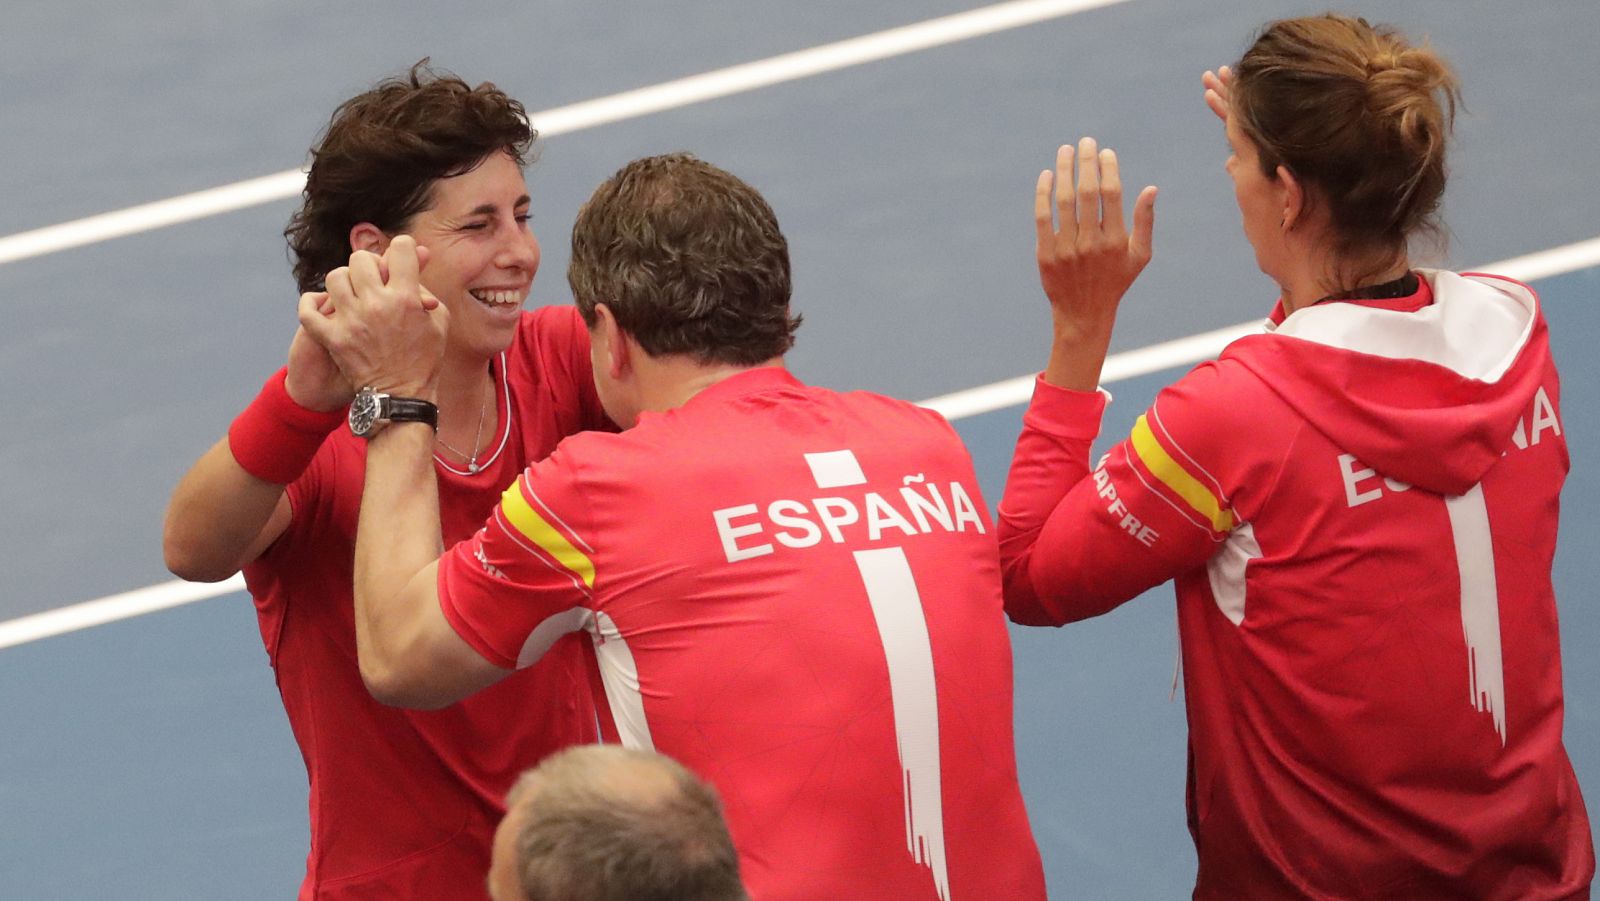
{"x":1358,"y":115}
{"x":381,"y":153}
{"x":688,"y":258}
{"x":606,"y":823}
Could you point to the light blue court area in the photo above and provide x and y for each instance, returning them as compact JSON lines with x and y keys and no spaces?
{"x":148,"y":759}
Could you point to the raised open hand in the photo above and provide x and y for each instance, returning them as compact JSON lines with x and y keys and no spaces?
{"x":1087,"y":258}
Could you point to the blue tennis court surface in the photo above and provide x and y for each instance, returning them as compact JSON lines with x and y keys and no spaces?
{"x":150,"y":759}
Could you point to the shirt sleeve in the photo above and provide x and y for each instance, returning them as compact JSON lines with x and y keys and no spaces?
{"x":314,"y":506}
{"x":527,"y":577}
{"x":561,"y":341}
{"x":1076,"y":542}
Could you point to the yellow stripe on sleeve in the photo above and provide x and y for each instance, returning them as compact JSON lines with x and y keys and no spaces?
{"x":535,"y":528}
{"x":1174,"y":476}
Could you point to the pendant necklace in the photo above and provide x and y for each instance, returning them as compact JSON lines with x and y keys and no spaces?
{"x":477,"y":441}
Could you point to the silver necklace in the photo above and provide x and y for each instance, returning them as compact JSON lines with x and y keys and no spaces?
{"x":477,"y":441}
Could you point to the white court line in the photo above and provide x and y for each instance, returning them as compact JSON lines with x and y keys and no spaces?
{"x":988,"y":398}
{"x":738,"y":79}
{"x":1126,"y":365}
{"x":1193,"y":349}
{"x":110,"y":609}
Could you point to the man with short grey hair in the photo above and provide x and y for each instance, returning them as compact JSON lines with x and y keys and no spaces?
{"x":604,"y":823}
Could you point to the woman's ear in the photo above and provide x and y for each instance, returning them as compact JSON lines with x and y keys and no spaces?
{"x":366,"y":236}
{"x":1293,"y":197}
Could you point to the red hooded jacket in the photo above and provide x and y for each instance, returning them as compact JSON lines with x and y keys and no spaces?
{"x":1359,"y":508}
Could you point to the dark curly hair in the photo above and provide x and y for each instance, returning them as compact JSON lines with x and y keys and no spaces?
{"x":381,"y":153}
{"x":688,"y":258}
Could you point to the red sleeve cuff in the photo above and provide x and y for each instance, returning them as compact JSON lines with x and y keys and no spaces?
{"x":1065,"y":413}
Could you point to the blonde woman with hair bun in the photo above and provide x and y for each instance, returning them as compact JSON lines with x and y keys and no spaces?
{"x":1358,"y":506}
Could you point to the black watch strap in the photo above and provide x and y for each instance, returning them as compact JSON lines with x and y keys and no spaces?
{"x":370,"y":409}
{"x":408,"y":409}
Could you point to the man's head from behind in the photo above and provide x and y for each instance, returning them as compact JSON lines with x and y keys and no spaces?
{"x":688,"y":260}
{"x":603,"y":823}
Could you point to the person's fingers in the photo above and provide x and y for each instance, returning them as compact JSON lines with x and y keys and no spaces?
{"x":340,"y":291}
{"x":1066,"y":220}
{"x":429,"y":300}
{"x":403,"y":263}
{"x":1216,"y":93}
{"x":319,"y":300}
{"x":1088,"y":189}
{"x":1111,"y":194}
{"x":319,"y":326}
{"x":1041,"y":212}
{"x":365,"y":273}
{"x":1218,"y":81}
{"x":1142,"y":243}
{"x":1217,"y":105}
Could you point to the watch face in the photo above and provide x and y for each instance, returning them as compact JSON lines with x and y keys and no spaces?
{"x":363,"y":412}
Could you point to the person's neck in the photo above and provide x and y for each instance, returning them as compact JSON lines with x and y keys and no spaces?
{"x":669,"y":382}
{"x":467,"y":414}
{"x":1314,"y":281}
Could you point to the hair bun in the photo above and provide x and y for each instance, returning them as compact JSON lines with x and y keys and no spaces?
{"x":1412,"y":92}
{"x":1359,"y":115}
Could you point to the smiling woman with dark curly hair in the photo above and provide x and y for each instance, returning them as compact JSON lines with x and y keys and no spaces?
{"x":402,"y":803}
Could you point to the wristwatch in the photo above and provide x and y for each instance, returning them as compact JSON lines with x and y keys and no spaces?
{"x":372,"y":407}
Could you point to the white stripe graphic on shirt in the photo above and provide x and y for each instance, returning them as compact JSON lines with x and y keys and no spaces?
{"x":835,"y":469}
{"x":549,"y":631}
{"x":1227,"y":568}
{"x":913,"y":691}
{"x":619,"y":673}
{"x":1480,"y":603}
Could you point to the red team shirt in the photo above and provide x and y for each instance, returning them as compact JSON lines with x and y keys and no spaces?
{"x":404,"y":803}
{"x":1360,"y":510}
{"x":796,"y":593}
